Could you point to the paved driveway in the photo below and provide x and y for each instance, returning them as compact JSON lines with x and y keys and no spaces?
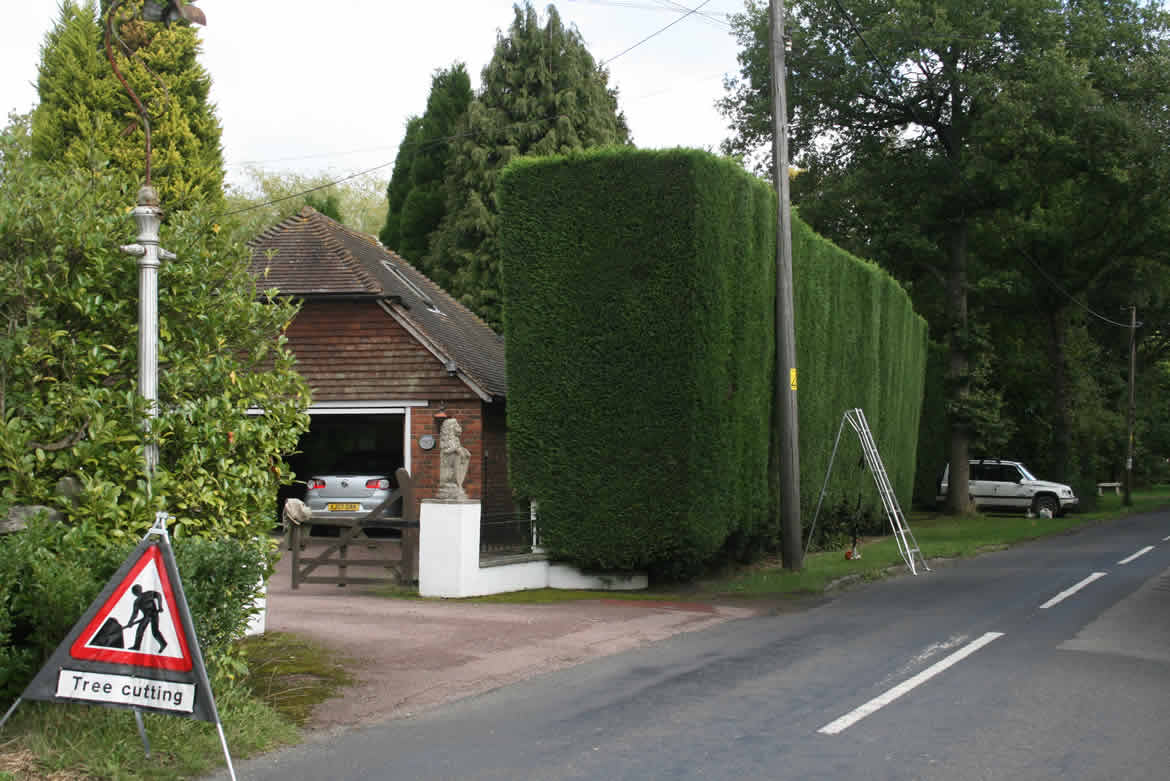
{"x":413,"y":654}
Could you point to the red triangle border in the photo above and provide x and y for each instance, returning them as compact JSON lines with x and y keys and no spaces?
{"x":79,"y":650}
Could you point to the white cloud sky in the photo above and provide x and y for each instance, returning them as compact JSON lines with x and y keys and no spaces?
{"x":327,"y":86}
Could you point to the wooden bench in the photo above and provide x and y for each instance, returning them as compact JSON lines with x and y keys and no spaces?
{"x":1102,"y":486}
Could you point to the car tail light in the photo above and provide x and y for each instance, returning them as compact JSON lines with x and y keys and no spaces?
{"x":316,"y":483}
{"x":378,"y":484}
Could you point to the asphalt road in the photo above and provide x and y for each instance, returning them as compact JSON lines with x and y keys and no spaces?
{"x":1020,"y":664}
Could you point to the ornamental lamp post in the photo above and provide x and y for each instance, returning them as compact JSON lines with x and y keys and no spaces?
{"x":148,"y":216}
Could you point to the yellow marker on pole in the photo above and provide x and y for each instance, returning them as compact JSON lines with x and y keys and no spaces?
{"x":792,"y":378}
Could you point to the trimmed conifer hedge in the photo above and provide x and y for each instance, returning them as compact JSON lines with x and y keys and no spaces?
{"x":639,"y":291}
{"x":860,"y":344}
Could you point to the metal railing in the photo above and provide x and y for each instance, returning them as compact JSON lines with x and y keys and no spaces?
{"x":508,"y":534}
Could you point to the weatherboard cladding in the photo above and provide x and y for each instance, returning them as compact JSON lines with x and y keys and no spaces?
{"x":318,"y":257}
{"x":352,"y":350}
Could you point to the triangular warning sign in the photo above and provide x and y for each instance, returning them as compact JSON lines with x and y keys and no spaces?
{"x":135,"y":647}
{"x":136,"y":625}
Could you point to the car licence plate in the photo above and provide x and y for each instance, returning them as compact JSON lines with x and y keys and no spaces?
{"x":343,"y":507}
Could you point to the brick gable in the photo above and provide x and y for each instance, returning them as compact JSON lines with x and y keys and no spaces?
{"x":355,"y":351}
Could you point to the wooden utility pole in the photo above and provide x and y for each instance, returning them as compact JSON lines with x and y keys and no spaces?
{"x":785,"y":411}
{"x":1132,"y":406}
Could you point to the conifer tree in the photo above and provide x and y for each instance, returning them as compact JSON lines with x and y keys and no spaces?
{"x":542,"y":93}
{"x":425,"y":203}
{"x":399,"y":185}
{"x":86,"y":121}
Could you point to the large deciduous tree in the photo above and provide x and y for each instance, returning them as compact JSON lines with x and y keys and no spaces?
{"x":264,"y":198}
{"x":86,"y":120}
{"x":924,"y":125}
{"x":542,"y":93}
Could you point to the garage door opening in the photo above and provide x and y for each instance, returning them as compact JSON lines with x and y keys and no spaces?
{"x":332,"y":438}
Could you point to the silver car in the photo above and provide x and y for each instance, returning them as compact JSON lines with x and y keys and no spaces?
{"x":355,"y":485}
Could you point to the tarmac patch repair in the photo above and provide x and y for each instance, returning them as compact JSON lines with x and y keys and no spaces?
{"x":126,"y":690}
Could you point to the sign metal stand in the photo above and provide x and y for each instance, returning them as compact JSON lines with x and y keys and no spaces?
{"x":91,"y":665}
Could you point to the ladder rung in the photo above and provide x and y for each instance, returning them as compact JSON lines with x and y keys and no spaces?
{"x":902,"y":533}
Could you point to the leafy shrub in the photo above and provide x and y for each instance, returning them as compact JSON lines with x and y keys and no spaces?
{"x":50,"y":574}
{"x":838,"y":524}
{"x":69,"y":403}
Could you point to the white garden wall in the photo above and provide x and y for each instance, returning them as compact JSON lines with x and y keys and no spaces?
{"x":448,"y":561}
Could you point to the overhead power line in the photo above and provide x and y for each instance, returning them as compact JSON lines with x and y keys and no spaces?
{"x":1071,"y":297}
{"x":659,"y":5}
{"x":294,"y":158}
{"x":419,"y":144}
{"x":654,"y":34}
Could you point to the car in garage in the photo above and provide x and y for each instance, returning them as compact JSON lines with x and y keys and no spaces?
{"x":354,"y":486}
{"x":996,"y":484}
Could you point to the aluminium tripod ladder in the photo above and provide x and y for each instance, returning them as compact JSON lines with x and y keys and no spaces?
{"x":907,"y":544}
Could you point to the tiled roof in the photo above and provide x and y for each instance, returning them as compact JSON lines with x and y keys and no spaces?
{"x":318,"y":256}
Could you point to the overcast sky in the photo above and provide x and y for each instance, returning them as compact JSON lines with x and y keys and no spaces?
{"x":327,"y":86}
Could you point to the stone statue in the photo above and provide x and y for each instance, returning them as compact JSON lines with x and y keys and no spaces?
{"x":453,"y":462}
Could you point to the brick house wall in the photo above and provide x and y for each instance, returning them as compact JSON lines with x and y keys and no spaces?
{"x":469,"y":413}
{"x":497,"y":491}
{"x":352,"y":350}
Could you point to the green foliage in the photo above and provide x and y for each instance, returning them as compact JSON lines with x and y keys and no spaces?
{"x":68,"y":362}
{"x":51,"y":572}
{"x":87,"y":122}
{"x":328,"y":204}
{"x":840,"y":523}
{"x":640,"y":327}
{"x":1013,"y":152}
{"x":264,"y":198}
{"x":639,"y":425}
{"x":542,"y":94}
{"x":932,"y":430}
{"x":1152,"y":464}
{"x":399,"y":186}
{"x":417,"y":200}
{"x":859,"y":344}
{"x":221,"y":579}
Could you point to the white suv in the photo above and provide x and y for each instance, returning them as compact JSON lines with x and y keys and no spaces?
{"x":1008,"y":485}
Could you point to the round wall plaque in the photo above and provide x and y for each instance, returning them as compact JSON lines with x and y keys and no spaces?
{"x":426,"y":441}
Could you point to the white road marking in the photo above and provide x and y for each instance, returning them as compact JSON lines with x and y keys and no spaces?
{"x":882,"y":700}
{"x":954,"y":641}
{"x":1166,"y":539}
{"x":1068,"y":592}
{"x":1142,"y":552}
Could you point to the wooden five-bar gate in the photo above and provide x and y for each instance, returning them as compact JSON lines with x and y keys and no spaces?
{"x":352,"y":528}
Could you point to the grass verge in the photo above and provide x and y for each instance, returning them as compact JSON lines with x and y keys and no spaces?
{"x":286,"y":677}
{"x":292,"y":674}
{"x":939,"y":537}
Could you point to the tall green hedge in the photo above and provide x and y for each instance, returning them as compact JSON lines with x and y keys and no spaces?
{"x":859,"y":344}
{"x":639,"y":317}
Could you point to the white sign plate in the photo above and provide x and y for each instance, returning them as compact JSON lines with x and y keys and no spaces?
{"x":126,"y":690}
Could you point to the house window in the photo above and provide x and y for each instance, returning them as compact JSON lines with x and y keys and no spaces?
{"x":413,"y":288}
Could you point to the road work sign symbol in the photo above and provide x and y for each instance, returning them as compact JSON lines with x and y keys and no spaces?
{"x":136,"y":625}
{"x":135,"y":647}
